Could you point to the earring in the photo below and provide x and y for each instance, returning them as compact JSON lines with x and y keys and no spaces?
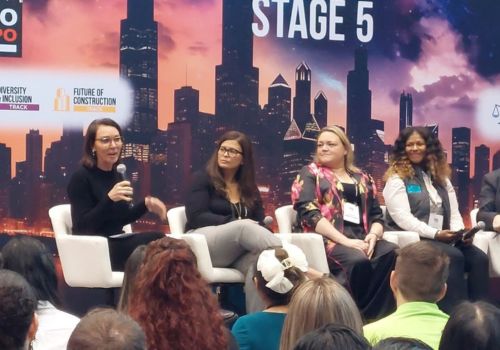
{"x":93,"y":153}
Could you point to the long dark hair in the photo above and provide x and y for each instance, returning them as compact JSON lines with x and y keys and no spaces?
{"x":173,"y":304}
{"x":245,"y":176}
{"x":88,"y":158}
{"x":31,"y":259}
{"x":434,"y":161}
{"x":17,"y":309}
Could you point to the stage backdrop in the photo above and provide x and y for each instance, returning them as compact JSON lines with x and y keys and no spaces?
{"x":178,"y":73}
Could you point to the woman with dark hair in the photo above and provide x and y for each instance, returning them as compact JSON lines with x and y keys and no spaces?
{"x":32,"y":260}
{"x":224,"y":204}
{"x":420,"y":197}
{"x":401,"y":343}
{"x":332,"y":337}
{"x":337,"y":200}
{"x":472,"y":326}
{"x":18,"y":322}
{"x":172,"y":303}
{"x":132,"y":267}
{"x":279,"y":271}
{"x":101,"y":200}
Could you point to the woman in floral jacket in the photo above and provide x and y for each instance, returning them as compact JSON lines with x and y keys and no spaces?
{"x":337,"y":200}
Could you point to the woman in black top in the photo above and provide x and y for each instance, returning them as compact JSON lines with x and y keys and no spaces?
{"x":100,"y":198}
{"x":224,"y":204}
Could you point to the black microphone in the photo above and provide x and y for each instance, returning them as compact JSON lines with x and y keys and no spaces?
{"x":122,"y":170}
{"x":470,"y":233}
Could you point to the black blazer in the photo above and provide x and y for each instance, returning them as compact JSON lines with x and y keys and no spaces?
{"x":489,"y":199}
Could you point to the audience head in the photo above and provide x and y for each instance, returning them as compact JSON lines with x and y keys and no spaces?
{"x":132,"y":266}
{"x":234,"y":152}
{"x":332,"y":337}
{"x":171,"y":301}
{"x":417,"y":145}
{"x":400,"y":343}
{"x":472,"y":326}
{"x":316,"y":303}
{"x":31,"y":259}
{"x":107,"y":329}
{"x":18,"y":323}
{"x":333,"y":149}
{"x":420,"y":274}
{"x":101,"y":136}
{"x":279,"y":272}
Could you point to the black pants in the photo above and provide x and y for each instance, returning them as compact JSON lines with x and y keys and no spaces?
{"x":366,"y":279}
{"x":463,"y":259}
{"x":121,"y":248}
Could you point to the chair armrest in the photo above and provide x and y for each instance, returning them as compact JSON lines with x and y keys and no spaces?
{"x":489,"y":243}
{"x":86,"y":263}
{"x":313,"y":247}
{"x":198,"y":244}
{"x":401,"y":238}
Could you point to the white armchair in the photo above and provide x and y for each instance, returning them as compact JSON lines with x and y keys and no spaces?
{"x":311,"y":244}
{"x":489,"y":243}
{"x":84,"y":259}
{"x":177,"y":221}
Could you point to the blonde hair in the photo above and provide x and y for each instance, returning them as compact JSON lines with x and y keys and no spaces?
{"x":316,"y":303}
{"x":349,"y":157}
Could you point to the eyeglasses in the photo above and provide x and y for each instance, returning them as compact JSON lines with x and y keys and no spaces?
{"x":328,"y":145}
{"x":231,"y":151}
{"x":106,"y":141}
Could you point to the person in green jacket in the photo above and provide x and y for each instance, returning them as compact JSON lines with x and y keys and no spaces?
{"x":418,"y":283}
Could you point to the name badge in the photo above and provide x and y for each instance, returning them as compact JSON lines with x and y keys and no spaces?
{"x":436,"y":221}
{"x":351,"y":213}
{"x":413,"y":188}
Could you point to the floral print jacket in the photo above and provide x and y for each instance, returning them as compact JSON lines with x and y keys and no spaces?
{"x":317,"y":193}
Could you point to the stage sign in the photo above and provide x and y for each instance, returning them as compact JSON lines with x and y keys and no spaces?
{"x":11,"y":15}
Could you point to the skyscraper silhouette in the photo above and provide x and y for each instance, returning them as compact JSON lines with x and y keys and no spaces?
{"x":496,"y":161}
{"x":481,"y":167}
{"x":139,"y":64}
{"x":302,"y":98}
{"x":186,"y":104}
{"x":5,"y":167}
{"x":359,"y":102}
{"x":405,"y":110}
{"x":460,"y":155}
{"x":237,"y":80}
{"x":25,"y":186}
{"x":277,"y":120}
{"x":321,"y":109}
{"x":5,"y":171}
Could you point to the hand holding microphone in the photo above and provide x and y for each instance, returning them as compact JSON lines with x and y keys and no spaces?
{"x":468,"y":236}
{"x":121,"y":190}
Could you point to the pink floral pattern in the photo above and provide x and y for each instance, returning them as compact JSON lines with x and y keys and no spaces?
{"x":328,"y":201}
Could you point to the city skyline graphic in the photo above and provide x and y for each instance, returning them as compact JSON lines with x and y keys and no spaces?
{"x":281,"y":106}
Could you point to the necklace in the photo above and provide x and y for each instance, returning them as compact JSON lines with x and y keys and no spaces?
{"x":237,"y":206}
